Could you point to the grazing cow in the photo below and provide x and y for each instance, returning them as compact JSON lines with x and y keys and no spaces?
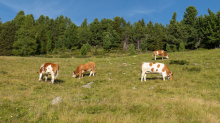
{"x":160,"y":53}
{"x":83,"y":68}
{"x":158,"y":68}
{"x":49,"y":69}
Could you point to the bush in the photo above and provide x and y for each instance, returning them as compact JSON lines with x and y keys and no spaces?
{"x":174,"y":48}
{"x":132,"y":49}
{"x":168,"y":48}
{"x":88,"y":47}
{"x":83,"y":50}
{"x":144,"y":45}
{"x":182,"y":47}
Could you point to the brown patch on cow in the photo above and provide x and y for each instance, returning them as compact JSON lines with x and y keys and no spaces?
{"x":156,"y":69}
{"x":154,"y":63}
{"x":150,"y":64}
{"x":158,"y":66}
{"x":165,"y":68}
{"x":152,"y":69}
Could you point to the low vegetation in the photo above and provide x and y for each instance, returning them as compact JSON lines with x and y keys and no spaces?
{"x":116,"y":94}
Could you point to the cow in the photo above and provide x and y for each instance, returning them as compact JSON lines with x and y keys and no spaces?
{"x":158,"y":68}
{"x":83,"y":68}
{"x":160,"y":53}
{"x":48,"y":69}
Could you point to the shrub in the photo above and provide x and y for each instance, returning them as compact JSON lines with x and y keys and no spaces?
{"x":132,"y":49}
{"x":83,"y":50}
{"x":174,"y":48}
{"x":168,"y":48}
{"x":144,"y":45}
{"x":88,"y":46}
{"x":182,"y":47}
{"x":106,"y":42}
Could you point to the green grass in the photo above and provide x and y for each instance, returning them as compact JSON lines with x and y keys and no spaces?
{"x":192,"y":96}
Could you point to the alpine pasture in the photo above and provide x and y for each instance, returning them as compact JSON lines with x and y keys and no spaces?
{"x":116,"y":94}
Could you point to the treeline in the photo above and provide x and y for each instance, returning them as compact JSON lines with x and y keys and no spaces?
{"x":26,"y":36}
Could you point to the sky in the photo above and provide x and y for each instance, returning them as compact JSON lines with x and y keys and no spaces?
{"x":157,"y":11}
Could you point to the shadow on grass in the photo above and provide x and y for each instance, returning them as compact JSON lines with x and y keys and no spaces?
{"x":160,"y":58}
{"x":153,"y":78}
{"x":56,"y":81}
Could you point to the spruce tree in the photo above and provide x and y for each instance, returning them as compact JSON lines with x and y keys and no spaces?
{"x":106,"y":43}
{"x":174,"y":48}
{"x":168,"y":48}
{"x":181,"y":47}
{"x":132,"y":49}
{"x":26,"y":42}
{"x":83,"y":50}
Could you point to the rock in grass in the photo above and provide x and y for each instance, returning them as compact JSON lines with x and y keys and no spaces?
{"x":88,"y":85}
{"x":57,"y":100}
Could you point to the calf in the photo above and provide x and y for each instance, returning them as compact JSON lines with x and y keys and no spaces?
{"x":158,"y":68}
{"x":160,"y":53}
{"x":49,"y":69}
{"x":84,"y":67}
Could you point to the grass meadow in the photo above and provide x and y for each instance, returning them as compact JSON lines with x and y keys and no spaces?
{"x":117,"y":94}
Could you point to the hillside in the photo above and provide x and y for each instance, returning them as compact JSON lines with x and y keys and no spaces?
{"x":116,"y":94}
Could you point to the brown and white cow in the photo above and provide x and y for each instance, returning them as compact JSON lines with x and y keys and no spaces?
{"x":160,"y":53}
{"x":49,"y":69}
{"x":83,"y":68}
{"x":158,"y":68}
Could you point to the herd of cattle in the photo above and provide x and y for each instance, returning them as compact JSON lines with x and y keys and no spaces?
{"x":147,"y":67}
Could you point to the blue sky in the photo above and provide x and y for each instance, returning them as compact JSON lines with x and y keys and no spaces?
{"x":158,"y":11}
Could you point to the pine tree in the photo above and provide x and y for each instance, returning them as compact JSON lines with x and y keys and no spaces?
{"x":174,"y":48}
{"x":26,"y":42}
{"x":106,"y":43}
{"x":182,"y":47}
{"x":49,"y":41}
{"x":83,"y":50}
{"x":132,"y":49}
{"x":144,"y":45}
{"x":168,"y":48}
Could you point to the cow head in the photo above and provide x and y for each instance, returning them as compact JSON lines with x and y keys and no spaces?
{"x":74,"y":74}
{"x":170,"y":76}
{"x":167,"y":56}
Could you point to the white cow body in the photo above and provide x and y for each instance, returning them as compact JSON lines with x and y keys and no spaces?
{"x":158,"y":68}
{"x":49,"y":69}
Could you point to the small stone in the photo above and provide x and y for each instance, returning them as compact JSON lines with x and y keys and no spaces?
{"x":57,"y":100}
{"x":134,"y":88}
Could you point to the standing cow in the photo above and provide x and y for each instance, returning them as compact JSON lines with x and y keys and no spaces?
{"x":160,"y":53}
{"x":49,"y":69}
{"x":158,"y":68}
{"x":83,"y":68}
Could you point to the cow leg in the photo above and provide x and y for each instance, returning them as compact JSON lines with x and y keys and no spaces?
{"x":80,"y":73}
{"x":143,"y":76}
{"x":52,"y":76}
{"x":56,"y":74}
{"x":163,"y":74}
{"x":40,"y":77}
{"x":91,"y":73}
{"x":46,"y":77}
{"x":154,"y":57}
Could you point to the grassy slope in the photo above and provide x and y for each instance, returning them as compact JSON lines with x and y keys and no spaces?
{"x":191,"y":96}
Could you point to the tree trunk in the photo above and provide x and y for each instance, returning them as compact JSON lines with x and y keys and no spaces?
{"x":125,"y":43}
